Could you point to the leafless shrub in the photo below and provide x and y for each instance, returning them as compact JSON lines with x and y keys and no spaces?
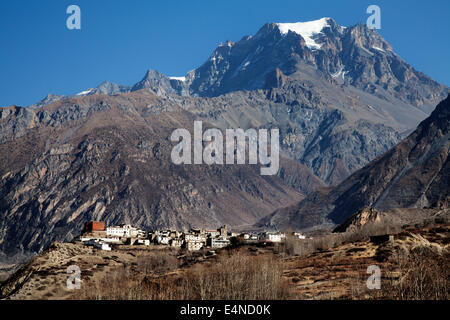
{"x":232,"y":276}
{"x":236,"y":277}
{"x":158,"y":262}
{"x":424,"y":275}
{"x":300,"y":247}
{"x":357,"y":287}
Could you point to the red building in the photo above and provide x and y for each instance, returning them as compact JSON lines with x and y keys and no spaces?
{"x":91,"y":226}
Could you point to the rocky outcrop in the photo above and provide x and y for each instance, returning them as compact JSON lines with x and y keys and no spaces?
{"x":358,"y":221}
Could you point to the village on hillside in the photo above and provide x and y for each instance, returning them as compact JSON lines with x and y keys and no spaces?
{"x":98,"y":235}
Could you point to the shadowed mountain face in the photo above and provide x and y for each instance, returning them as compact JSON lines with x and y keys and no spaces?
{"x":413,"y":174}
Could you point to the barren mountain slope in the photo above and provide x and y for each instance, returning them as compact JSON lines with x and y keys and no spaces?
{"x":413,"y":174}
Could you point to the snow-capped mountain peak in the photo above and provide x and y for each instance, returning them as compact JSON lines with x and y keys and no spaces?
{"x":308,"y":30}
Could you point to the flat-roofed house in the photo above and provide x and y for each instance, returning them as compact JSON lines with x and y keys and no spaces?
{"x":272,"y":237}
{"x":125,"y":230}
{"x":194,"y":246}
{"x":217,"y":243}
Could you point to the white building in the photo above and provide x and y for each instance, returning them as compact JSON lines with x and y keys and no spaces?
{"x":125,"y":230}
{"x":162,"y":239}
{"x":144,"y":242}
{"x":103,"y":246}
{"x":194,"y":246}
{"x":217,"y":243}
{"x":106,"y":240}
{"x":272,"y":237}
{"x":299,"y":235}
{"x":194,"y":238}
{"x":98,"y":244}
{"x":176,"y":243}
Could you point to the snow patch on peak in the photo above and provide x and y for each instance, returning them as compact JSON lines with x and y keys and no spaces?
{"x":378,"y":48}
{"x":178,"y":78}
{"x":85,"y":93}
{"x":306,"y":29}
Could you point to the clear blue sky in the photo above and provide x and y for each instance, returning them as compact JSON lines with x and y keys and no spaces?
{"x":120,"y":40}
